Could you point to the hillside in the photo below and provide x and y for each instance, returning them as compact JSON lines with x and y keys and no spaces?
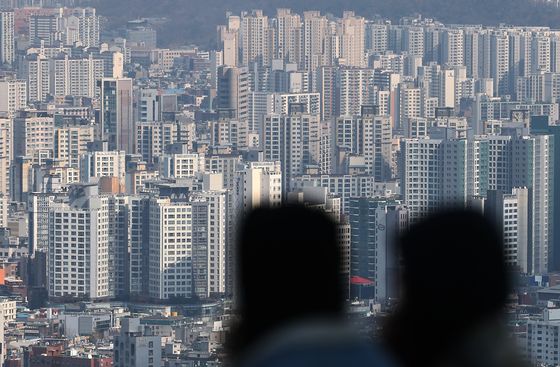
{"x":194,"y":21}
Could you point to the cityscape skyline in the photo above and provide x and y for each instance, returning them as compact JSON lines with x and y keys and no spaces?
{"x":126,"y":168}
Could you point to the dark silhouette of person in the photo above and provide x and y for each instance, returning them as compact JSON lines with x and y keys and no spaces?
{"x":455,"y":285}
{"x":290,"y":294}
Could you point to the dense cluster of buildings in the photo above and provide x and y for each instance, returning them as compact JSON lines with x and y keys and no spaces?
{"x":113,"y":334}
{"x":125,"y":168}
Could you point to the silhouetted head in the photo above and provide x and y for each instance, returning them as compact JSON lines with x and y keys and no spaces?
{"x":288,"y":264}
{"x":455,"y":259}
{"x":454,"y":281}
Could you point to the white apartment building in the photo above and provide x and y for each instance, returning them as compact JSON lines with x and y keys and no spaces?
{"x":153,"y":137}
{"x":224,"y":164}
{"x":225,"y":132}
{"x":139,"y":225}
{"x":259,"y":184}
{"x":499,"y":63}
{"x":181,"y":165}
{"x":76,"y":76}
{"x":413,"y":41}
{"x":281,"y":102}
{"x":543,"y":166}
{"x":409,"y":103}
{"x":34,"y":136}
{"x":511,"y":212}
{"x":209,"y":250}
{"x":421,"y":170}
{"x":260,"y":104}
{"x":62,"y":76}
{"x":289,"y":28}
{"x":447,"y":88}
{"x":415,"y":128}
{"x":4,"y":206}
{"x":355,"y":90}
{"x":316,"y":32}
{"x":294,"y":140}
{"x":148,"y":105}
{"x":453,"y":47}
{"x":376,"y":37}
{"x":542,"y":345}
{"x":233,"y":90}
{"x":170,"y":249}
{"x":6,"y":153}
{"x":353,"y":40}
{"x":7,"y":40}
{"x":228,"y":38}
{"x":136,"y":346}
{"x":78,"y":248}
{"x":254,"y":35}
{"x":135,"y":180}
{"x":369,"y":136}
{"x":540,"y":53}
{"x":38,"y":77}
{"x":70,"y":143}
{"x":13,"y":95}
{"x":345,"y":186}
{"x":54,"y":178}
{"x":88,"y":26}
{"x":8,"y":309}
{"x":39,"y":206}
{"x":103,"y":164}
